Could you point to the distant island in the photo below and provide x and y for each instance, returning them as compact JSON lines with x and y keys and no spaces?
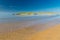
{"x":34,"y":13}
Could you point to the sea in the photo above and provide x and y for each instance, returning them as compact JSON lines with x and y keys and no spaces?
{"x":9,"y":17}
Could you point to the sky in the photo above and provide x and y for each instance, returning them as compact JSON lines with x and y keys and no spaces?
{"x":30,"y":5}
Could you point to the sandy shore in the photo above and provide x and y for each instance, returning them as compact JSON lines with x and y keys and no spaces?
{"x":31,"y":34}
{"x":30,"y":31}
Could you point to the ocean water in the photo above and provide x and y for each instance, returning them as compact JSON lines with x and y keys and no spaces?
{"x":8,"y":17}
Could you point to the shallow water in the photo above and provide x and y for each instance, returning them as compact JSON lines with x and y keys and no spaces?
{"x":8,"y":17}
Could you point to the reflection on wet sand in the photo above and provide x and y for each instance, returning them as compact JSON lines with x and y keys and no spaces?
{"x":32,"y":34}
{"x":27,"y":31}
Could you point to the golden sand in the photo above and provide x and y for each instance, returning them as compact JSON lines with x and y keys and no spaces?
{"x":52,"y":33}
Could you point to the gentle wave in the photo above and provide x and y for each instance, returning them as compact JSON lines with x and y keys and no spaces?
{"x":19,"y":19}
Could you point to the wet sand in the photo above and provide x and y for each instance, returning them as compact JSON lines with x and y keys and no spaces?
{"x":46,"y":31}
{"x":31,"y":34}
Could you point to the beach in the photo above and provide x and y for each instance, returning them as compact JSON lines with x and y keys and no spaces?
{"x":29,"y":19}
{"x":31,"y":30}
